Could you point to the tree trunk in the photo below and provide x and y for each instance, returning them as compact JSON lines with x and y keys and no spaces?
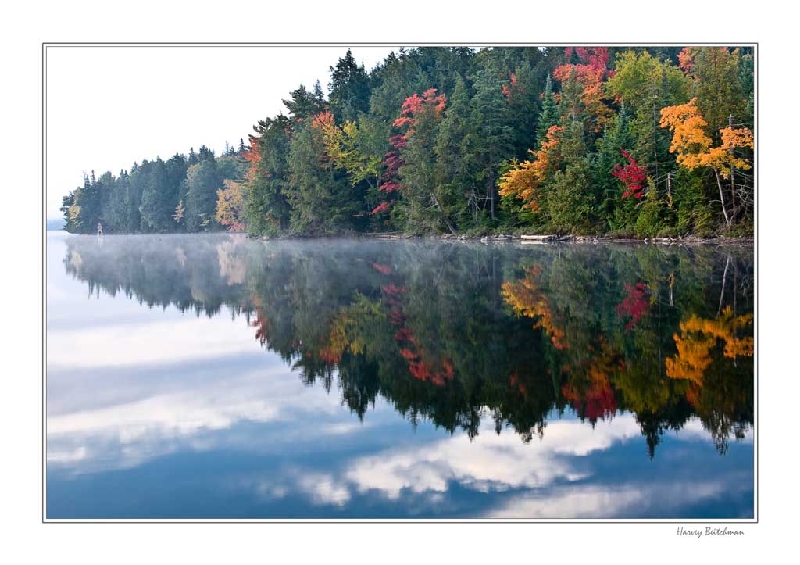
{"x":491,"y":195}
{"x":724,"y":276}
{"x":722,"y":199}
{"x":443,"y":213}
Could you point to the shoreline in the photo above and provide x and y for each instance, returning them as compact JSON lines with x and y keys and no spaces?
{"x":526,"y":239}
{"x":532,"y":239}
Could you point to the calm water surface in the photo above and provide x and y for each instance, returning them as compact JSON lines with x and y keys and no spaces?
{"x":212,"y":376}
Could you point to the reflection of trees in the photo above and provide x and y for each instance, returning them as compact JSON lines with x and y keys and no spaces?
{"x":699,"y":336}
{"x":589,"y":388}
{"x":190,"y":272}
{"x":526,"y":299}
{"x":721,"y":397}
{"x":450,"y":333}
{"x":232,"y":266}
{"x":621,"y":354}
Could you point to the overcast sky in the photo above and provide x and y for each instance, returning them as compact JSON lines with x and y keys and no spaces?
{"x":107,"y":107}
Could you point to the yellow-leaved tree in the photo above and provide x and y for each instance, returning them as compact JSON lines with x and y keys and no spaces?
{"x":693,"y":147}
{"x":230,"y":205}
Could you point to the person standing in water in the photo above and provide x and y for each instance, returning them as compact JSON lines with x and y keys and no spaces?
{"x":99,"y":228}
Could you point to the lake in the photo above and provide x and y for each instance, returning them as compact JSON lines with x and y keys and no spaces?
{"x":220,"y":377}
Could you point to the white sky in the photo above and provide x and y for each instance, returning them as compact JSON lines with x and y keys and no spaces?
{"x":108,"y":106}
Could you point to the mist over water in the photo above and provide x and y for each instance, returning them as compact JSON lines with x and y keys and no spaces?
{"x":215,"y":376}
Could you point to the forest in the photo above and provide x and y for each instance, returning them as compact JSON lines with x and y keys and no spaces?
{"x":616,"y":141}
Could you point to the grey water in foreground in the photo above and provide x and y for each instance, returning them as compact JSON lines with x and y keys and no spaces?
{"x":217,"y":377}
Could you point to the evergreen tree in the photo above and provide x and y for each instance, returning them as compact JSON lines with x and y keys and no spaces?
{"x":617,"y":212}
{"x":303,"y":104}
{"x":158,"y":198}
{"x":455,"y":170}
{"x":202,"y":183}
{"x":268,"y":209}
{"x":718,"y":87}
{"x":549,"y":114}
{"x":424,"y":206}
{"x":314,"y":184}
{"x":492,"y":139}
{"x":349,"y":89}
{"x":522,"y":93}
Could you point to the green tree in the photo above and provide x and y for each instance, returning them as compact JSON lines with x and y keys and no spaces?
{"x":568,"y":202}
{"x":492,"y":139}
{"x":118,"y":206}
{"x":303,"y":104}
{"x":71,"y":224}
{"x":161,"y":190}
{"x":455,"y":173}
{"x":349,"y":89}
{"x":717,"y":84}
{"x":203,"y":181}
{"x":644,"y":85}
{"x":618,"y":213}
{"x":315,"y":186}
{"x":421,"y":207}
{"x":267,"y":210}
{"x":549,"y":114}
{"x":85,"y":210}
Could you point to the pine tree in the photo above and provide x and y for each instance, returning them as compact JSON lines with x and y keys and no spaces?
{"x":549,"y":114}
{"x":455,"y":170}
{"x":349,"y":89}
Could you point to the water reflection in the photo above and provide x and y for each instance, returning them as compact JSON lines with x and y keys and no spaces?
{"x":447,"y":332}
{"x":583,"y":360}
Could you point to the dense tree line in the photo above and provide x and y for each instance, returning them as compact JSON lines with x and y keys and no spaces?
{"x":173,"y":196}
{"x":628,"y":141}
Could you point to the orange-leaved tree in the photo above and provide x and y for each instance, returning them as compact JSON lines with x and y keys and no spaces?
{"x":589,"y":73}
{"x":693,"y":147}
{"x":525,"y":180}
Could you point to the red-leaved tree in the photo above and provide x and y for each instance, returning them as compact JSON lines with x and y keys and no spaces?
{"x":632,"y":176}
{"x":412,"y":107}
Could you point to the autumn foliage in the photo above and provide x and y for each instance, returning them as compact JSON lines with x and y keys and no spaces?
{"x":590,"y":73}
{"x":331,"y":135}
{"x":525,"y":179}
{"x":422,"y":364}
{"x":411,"y":109}
{"x":261,"y":323}
{"x":699,"y":336}
{"x":527,"y":299}
{"x":693,"y":145}
{"x":589,"y":388}
{"x":423,"y":143}
{"x":509,"y":88}
{"x":686,"y":59}
{"x":231,"y":206}
{"x":635,"y":305}
{"x":415,"y":104}
{"x":390,"y":179}
{"x":632,"y":176}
